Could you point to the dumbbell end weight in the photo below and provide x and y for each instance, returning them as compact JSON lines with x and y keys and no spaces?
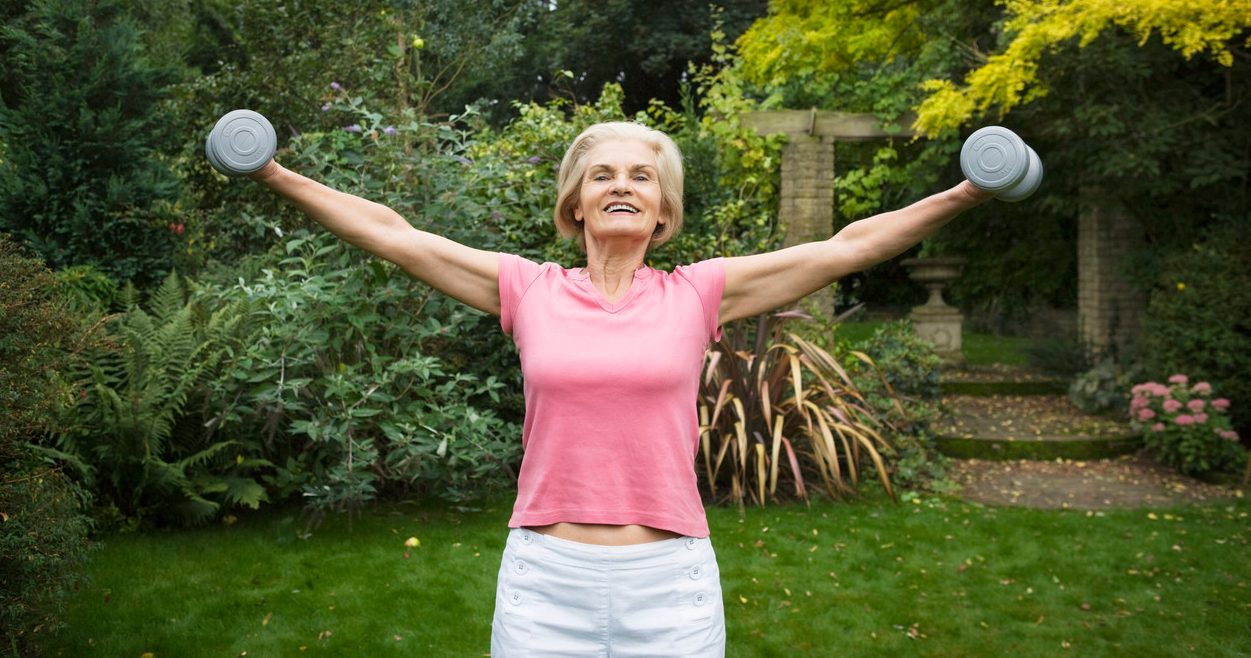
{"x":1029,"y":184}
{"x":995,"y":159}
{"x":242,"y":142}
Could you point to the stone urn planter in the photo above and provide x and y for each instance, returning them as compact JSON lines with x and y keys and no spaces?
{"x":936,"y":321}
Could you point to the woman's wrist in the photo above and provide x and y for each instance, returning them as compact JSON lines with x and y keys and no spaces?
{"x":262,"y":175}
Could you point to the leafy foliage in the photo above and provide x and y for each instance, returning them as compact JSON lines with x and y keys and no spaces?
{"x":131,"y":434}
{"x":1197,"y":317}
{"x":783,"y":394}
{"x":43,"y":530}
{"x":37,"y":334}
{"x":567,"y":53}
{"x":43,"y":547}
{"x":360,"y":381}
{"x":1186,"y":426}
{"x":1104,"y":388}
{"x":900,"y":382}
{"x":1038,"y":27}
{"x":83,"y":179}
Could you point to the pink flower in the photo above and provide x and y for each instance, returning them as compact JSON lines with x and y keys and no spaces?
{"x":1228,"y":435}
{"x":1220,"y":404}
{"x":1202,"y":388}
{"x":1141,"y":388}
{"x":1171,"y":405}
{"x":1160,"y":390}
{"x":1178,"y":379}
{"x":1200,"y":418}
{"x":1158,"y":427}
{"x":1184,"y":420}
{"x":1145,"y":414}
{"x":1196,"y":405}
{"x":1138,"y":403}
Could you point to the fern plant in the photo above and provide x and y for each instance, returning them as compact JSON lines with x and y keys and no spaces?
{"x":133,"y":436}
{"x":785,"y":409}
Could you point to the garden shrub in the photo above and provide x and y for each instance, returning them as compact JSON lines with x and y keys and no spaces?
{"x":1186,"y":426}
{"x":1198,"y":318}
{"x":1104,"y":388}
{"x":133,"y":432}
{"x":43,"y":530}
{"x":776,"y":409}
{"x":360,"y":381}
{"x":902,"y":386}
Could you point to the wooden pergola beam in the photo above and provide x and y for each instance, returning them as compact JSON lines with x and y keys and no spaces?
{"x":837,"y":126}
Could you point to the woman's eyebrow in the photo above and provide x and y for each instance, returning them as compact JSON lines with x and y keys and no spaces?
{"x":608,"y":167}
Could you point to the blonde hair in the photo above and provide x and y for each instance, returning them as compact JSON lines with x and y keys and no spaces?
{"x":668,"y":174}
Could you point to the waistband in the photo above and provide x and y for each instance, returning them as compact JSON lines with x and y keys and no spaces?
{"x":631,"y":556}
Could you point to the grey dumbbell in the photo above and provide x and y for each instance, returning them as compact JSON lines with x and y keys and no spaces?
{"x":242,"y":142}
{"x":995,"y":159}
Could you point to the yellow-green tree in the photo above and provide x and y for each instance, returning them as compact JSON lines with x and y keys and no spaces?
{"x":1035,"y":28}
{"x":1001,"y":66}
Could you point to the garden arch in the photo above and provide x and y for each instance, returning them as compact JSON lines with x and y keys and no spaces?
{"x":1109,"y":308}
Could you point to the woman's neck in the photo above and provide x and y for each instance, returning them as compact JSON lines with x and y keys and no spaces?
{"x":612,"y":273}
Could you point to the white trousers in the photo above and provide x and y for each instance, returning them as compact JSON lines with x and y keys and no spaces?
{"x":557,"y":598}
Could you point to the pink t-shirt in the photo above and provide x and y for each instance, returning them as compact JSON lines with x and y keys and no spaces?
{"x":611,"y":426}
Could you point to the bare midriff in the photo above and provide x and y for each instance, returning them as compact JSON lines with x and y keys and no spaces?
{"x":605,"y":535}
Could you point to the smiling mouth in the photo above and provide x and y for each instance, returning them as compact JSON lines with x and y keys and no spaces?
{"x":621,"y":208}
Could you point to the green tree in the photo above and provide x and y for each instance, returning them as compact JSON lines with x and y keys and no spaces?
{"x":84,"y":179}
{"x":572,"y":48}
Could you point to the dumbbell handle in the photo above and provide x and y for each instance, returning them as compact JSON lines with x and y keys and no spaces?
{"x":995,"y":159}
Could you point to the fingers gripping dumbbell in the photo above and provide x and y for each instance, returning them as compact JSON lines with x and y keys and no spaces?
{"x":242,"y":142}
{"x":996,"y":160}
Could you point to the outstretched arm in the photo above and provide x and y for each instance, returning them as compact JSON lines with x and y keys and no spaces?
{"x":763,"y":282}
{"x":463,"y":273}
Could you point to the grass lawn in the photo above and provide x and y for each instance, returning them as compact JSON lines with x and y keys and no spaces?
{"x":979,"y":349}
{"x":928,"y":577}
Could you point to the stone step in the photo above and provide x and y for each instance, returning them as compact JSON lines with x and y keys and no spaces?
{"x":998,"y":379}
{"x":1038,"y":427}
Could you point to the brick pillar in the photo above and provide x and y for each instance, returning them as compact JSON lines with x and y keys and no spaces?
{"x":807,"y":201}
{"x":1108,"y":307}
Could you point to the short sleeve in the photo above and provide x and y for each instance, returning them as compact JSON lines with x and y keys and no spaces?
{"x":516,"y":276}
{"x":708,"y":279}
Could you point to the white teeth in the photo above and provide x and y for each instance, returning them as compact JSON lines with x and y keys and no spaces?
{"x":621,"y":206}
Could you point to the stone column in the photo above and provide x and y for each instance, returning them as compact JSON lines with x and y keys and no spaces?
{"x":807,"y":203}
{"x":1108,"y":307}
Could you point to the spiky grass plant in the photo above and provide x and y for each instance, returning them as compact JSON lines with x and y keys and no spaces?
{"x":785,"y":409}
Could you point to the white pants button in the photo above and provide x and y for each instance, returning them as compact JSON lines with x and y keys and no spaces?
{"x":521,"y":567}
{"x":696,"y":572}
{"x":700,"y":599}
{"x":515,"y":598}
{"x":690,"y":543}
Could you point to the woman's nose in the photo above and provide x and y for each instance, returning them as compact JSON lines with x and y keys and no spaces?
{"x":620,"y":185}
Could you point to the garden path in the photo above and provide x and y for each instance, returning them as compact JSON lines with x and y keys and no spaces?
{"x":1023,"y":410}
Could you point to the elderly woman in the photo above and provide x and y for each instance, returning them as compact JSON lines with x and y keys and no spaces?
{"x":608,"y":552}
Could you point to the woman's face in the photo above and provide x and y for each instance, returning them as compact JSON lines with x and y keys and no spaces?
{"x":620,"y":196}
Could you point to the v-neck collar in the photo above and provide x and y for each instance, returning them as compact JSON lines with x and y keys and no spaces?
{"x":583,"y":278}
